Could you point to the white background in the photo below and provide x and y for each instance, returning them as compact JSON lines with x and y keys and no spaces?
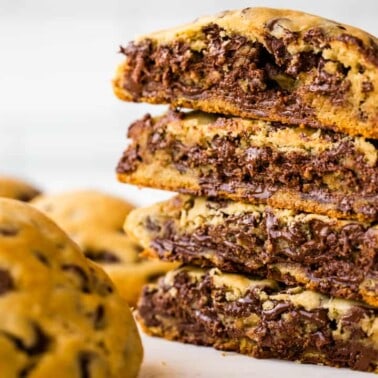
{"x":60,"y":124}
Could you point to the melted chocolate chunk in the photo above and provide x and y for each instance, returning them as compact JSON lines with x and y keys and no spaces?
{"x":367,"y":86}
{"x":6,"y":282}
{"x":276,"y":311}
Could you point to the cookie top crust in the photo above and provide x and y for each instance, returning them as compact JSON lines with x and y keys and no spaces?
{"x":59,"y":313}
{"x":255,"y":23}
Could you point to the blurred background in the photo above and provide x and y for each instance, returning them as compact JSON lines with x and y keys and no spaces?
{"x":60,"y":124}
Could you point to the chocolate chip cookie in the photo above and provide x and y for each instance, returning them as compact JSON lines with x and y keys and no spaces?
{"x":11,"y":187}
{"x":334,"y":257}
{"x":260,"y":318}
{"x":95,"y":221}
{"x":272,"y":64}
{"x":60,"y":315}
{"x":290,"y":167}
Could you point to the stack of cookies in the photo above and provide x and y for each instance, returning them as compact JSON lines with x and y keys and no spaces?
{"x":275,"y":223}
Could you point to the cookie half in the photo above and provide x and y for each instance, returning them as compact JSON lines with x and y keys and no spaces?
{"x":60,"y":315}
{"x":289,"y":167}
{"x":95,"y":221}
{"x":334,"y":257}
{"x":261,"y":319}
{"x":11,"y":187}
{"x":272,"y":64}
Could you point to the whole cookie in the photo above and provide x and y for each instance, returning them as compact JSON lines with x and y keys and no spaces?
{"x":95,"y":221}
{"x":260,"y":63}
{"x":60,"y":315}
{"x":11,"y":187}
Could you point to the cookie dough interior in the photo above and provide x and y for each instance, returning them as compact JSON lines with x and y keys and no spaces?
{"x":277,"y":65}
{"x":254,"y":161}
{"x":259,"y":318}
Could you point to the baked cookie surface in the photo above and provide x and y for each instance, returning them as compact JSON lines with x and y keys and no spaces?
{"x":334,"y":257}
{"x":95,"y":221}
{"x":271,"y":64}
{"x":261,"y":319}
{"x":291,"y":167}
{"x":14,"y":188}
{"x":60,"y":315}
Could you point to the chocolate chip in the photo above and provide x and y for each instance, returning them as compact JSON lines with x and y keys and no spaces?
{"x":6,"y":281}
{"x":99,"y":317}
{"x":27,"y":196}
{"x":272,"y":23}
{"x":102,"y":256}
{"x":42,"y":258}
{"x":41,"y":342}
{"x":100,"y":286}
{"x":24,"y":373}
{"x":367,"y":86}
{"x":333,"y":324}
{"x":8,"y":231}
{"x":85,"y":359}
{"x":151,"y":225}
{"x":79,"y":273}
{"x":354,"y":315}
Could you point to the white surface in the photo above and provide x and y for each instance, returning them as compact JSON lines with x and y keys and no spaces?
{"x":167,"y":359}
{"x":60,"y":124}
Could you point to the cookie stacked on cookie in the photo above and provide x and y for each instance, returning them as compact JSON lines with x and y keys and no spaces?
{"x":277,"y":172}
